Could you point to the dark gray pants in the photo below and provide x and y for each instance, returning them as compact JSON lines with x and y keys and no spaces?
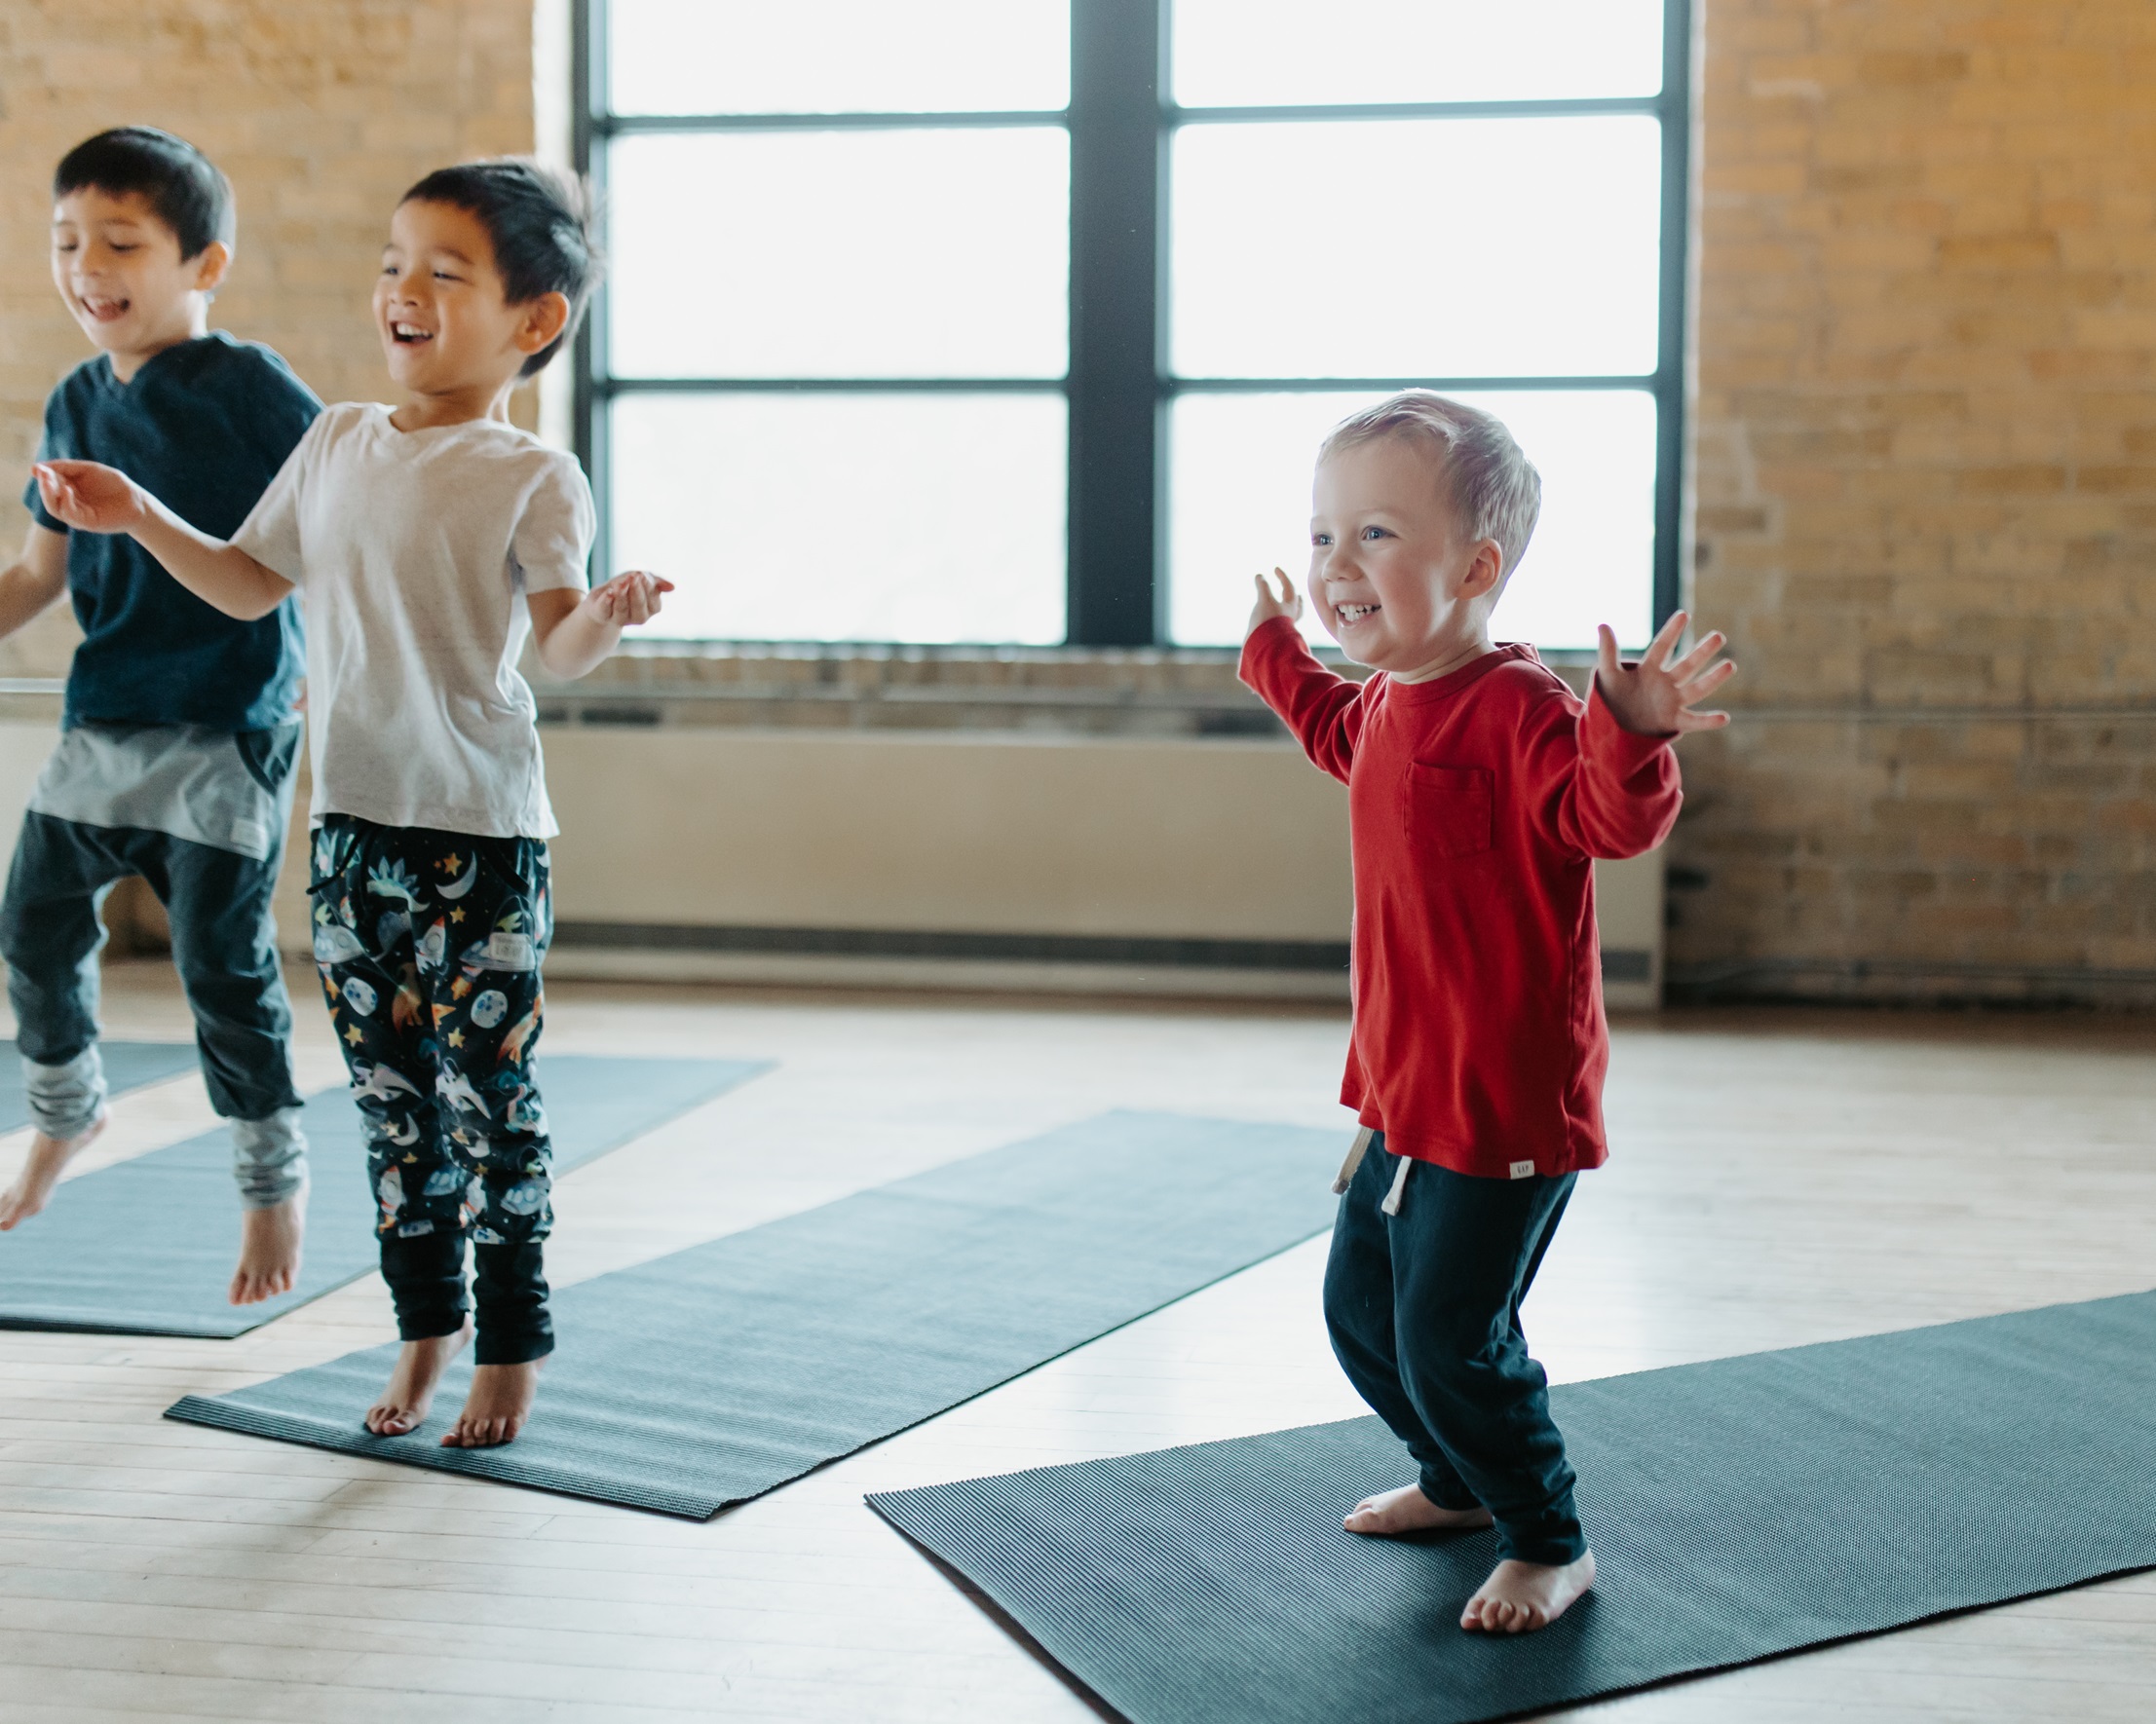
{"x":224,"y":945}
{"x":1423,"y":1307}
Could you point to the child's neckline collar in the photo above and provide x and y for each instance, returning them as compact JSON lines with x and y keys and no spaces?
{"x":1453,"y":682}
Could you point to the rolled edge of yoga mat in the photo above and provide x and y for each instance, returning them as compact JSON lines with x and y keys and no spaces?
{"x":354,"y":1439}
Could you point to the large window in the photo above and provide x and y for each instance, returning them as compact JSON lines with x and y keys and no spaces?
{"x":1018,"y":320}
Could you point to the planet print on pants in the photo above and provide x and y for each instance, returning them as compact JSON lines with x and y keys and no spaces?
{"x":361,"y":997}
{"x":490,"y":1008}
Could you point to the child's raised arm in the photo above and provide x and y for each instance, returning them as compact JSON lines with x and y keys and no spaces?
{"x":573,"y":631}
{"x":95,"y":499}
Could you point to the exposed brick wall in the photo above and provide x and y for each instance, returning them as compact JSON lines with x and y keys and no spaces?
{"x":321,"y":111}
{"x":1926,"y":427}
{"x":1926,"y":481}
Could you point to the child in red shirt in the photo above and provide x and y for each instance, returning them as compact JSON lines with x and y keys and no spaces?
{"x":1479,"y":791}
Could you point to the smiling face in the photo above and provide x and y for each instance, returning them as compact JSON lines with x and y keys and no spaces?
{"x":117,"y":266}
{"x":447,"y":326}
{"x":1393,"y":578}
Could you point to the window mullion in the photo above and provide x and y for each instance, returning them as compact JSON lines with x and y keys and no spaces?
{"x":1670,"y":357}
{"x":587,"y":145}
{"x":1116,"y":148}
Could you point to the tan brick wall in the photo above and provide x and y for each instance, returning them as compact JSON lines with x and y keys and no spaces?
{"x":321,"y":111}
{"x":1926,"y":481}
{"x":1925,"y":435}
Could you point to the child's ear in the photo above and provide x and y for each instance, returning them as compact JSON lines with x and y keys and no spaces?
{"x":1486,"y":571}
{"x":211,"y":263}
{"x":545,"y":318}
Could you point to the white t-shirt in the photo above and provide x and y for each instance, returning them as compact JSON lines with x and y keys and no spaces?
{"x":414,"y":550}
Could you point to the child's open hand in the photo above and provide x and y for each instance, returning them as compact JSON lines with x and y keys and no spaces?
{"x":93,"y":497}
{"x":1285,"y":602}
{"x":628,"y":599}
{"x":1655,"y":698}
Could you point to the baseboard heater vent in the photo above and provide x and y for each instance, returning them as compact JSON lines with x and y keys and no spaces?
{"x":1091,"y":949}
{"x":1313,"y":956}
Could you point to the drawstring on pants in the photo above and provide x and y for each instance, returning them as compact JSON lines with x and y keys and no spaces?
{"x":1391,"y":1204}
{"x":1356,"y":1151}
{"x":1355,"y":1154}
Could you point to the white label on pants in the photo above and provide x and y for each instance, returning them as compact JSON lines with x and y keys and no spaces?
{"x":1522,"y":1170}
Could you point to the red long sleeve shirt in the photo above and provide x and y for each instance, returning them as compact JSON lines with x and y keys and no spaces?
{"x":1475,"y":804}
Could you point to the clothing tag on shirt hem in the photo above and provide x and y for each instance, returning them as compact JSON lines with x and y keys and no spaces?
{"x":1522,"y":1170}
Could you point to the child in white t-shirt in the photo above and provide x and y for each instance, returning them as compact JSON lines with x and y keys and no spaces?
{"x":429,"y":541}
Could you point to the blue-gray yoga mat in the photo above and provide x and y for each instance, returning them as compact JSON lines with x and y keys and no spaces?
{"x":1738,"y":1510}
{"x":722,"y":1371}
{"x":129,"y":1066}
{"x":146,"y":1247}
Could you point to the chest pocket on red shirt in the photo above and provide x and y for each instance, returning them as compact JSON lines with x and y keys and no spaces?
{"x":1449,"y":811}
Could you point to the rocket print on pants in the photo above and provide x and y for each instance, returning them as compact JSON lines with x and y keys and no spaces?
{"x":429,"y":944}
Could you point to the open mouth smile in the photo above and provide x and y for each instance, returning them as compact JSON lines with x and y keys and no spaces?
{"x":1350,"y":615}
{"x":411,"y":334}
{"x":103,"y":311}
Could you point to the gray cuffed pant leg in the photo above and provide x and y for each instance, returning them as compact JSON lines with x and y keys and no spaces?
{"x":268,"y":1158}
{"x":66,"y":1099}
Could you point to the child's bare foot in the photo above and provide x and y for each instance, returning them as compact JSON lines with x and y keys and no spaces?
{"x":269,"y":1250}
{"x":499,"y":1402}
{"x":48,"y":1159}
{"x":1520,"y":1597}
{"x":1408,"y":1509}
{"x":411,"y":1390}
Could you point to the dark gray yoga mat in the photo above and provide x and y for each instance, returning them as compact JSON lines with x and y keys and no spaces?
{"x":722,"y":1371}
{"x":146,"y":1247}
{"x":1738,"y":1510}
{"x":129,"y":1066}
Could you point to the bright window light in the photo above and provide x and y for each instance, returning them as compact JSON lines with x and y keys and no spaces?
{"x":1239,"y":481}
{"x":1522,"y":246}
{"x":929,"y":253}
{"x":1418,"y":248}
{"x":830,"y":56}
{"x":1281,"y":53}
{"x":846,"y":517}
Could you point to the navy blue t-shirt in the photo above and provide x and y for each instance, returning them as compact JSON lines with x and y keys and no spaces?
{"x":202,"y":426}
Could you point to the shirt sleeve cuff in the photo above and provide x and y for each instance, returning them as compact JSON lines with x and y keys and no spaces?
{"x":35,"y":503}
{"x":1273,"y":637}
{"x":1625,"y":751}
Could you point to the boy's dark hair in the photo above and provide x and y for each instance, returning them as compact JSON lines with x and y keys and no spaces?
{"x":184,"y":186}
{"x":540,"y":224}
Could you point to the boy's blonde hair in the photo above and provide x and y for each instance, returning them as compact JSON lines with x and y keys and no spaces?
{"x":1490,"y":483}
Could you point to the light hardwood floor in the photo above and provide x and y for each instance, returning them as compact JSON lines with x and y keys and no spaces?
{"x":1778,"y":1179}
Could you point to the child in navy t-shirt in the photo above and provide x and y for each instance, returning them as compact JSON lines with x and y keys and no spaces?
{"x":180,"y":730}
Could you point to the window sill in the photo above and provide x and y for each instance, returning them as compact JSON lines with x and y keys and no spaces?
{"x":1142,"y":691}
{"x":1073,"y":690}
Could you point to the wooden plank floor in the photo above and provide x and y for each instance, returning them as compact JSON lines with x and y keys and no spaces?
{"x":1779,"y":1179}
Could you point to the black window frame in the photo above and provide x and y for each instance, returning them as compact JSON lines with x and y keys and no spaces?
{"x":1119,"y":384}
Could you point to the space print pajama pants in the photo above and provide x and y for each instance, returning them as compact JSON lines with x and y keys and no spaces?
{"x":428,"y":945}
